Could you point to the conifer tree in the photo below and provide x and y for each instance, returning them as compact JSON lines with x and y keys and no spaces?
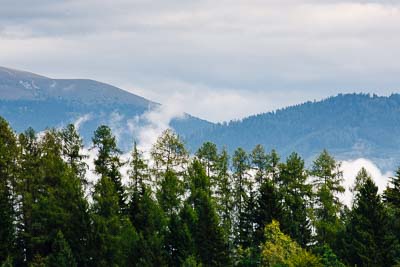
{"x":327,"y":179}
{"x":72,"y":145}
{"x":108,"y":160}
{"x":296,"y":196}
{"x":260,"y":161}
{"x":368,"y":240}
{"x":269,"y":207}
{"x":224,"y":195}
{"x":114,"y":236}
{"x":208,"y":156}
{"x":28,"y":185}
{"x":8,"y":162}
{"x":169,"y":154}
{"x":61,"y":255}
{"x":208,"y":235}
{"x":242,"y":191}
{"x":138,"y":172}
{"x":273,"y":166}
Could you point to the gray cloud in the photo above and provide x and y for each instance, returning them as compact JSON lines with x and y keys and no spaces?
{"x":258,"y":54}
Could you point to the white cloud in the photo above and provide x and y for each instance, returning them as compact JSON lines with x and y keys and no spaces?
{"x":155,"y":121}
{"x":81,"y":120}
{"x":217,"y":105}
{"x":350,"y":170}
{"x":243,"y":52}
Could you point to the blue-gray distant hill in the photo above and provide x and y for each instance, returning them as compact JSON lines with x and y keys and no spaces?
{"x":349,"y":126}
{"x":30,"y":100}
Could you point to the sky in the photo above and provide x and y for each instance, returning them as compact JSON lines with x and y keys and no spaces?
{"x":218,"y":60}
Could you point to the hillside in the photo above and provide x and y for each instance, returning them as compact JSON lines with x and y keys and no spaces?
{"x":349,"y":126}
{"x":31,"y":100}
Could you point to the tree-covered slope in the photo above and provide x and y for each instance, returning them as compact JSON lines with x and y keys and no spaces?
{"x":350,"y":125}
{"x":31,"y":100}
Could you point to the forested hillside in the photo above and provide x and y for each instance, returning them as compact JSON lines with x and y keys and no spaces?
{"x":250,"y":208}
{"x":350,"y":126}
{"x":31,"y":100}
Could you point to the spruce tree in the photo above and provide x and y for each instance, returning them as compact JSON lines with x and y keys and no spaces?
{"x":61,"y":254}
{"x":114,"y":237}
{"x":296,"y":196}
{"x":242,"y":184}
{"x":224,"y":196}
{"x":108,"y":160}
{"x":327,"y":180}
{"x":72,"y":145}
{"x":208,"y":235}
{"x":208,"y":156}
{"x":259,"y":160}
{"x":269,"y":207}
{"x":368,"y":240}
{"x":169,"y":154}
{"x":8,"y":163}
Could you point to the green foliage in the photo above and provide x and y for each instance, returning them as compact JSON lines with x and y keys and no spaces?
{"x":242,"y":190}
{"x":327,"y":179}
{"x":328,"y":257}
{"x":61,"y":254}
{"x":296,"y":194}
{"x":169,"y":153}
{"x":280,"y":250}
{"x":368,"y":240}
{"x":172,"y":213}
{"x":108,"y":162}
{"x":8,"y":157}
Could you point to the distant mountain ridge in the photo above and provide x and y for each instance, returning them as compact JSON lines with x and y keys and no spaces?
{"x":31,"y":100}
{"x":21,"y":85}
{"x":348,"y":125}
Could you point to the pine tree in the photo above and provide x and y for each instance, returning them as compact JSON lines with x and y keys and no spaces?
{"x":296,"y":196}
{"x":224,"y":195}
{"x":169,"y":154}
{"x":170,"y":193}
{"x":368,"y":239}
{"x":273,"y":166}
{"x":108,"y":160}
{"x":392,"y":192}
{"x":269,"y":207}
{"x":114,"y":236}
{"x":243,"y":227}
{"x":27,"y":187}
{"x":138,"y":172}
{"x":259,"y":160}
{"x":208,"y":156}
{"x":61,"y":255}
{"x":391,"y":197}
{"x":149,"y":221}
{"x":72,"y":144}
{"x":208,"y":235}
{"x":327,"y":179}
{"x":8,"y":161}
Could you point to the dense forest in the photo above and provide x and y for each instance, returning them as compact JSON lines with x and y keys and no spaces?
{"x":251,"y":208}
{"x":348,"y":125}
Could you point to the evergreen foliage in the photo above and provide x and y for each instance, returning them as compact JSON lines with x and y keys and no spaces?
{"x":177,"y":210}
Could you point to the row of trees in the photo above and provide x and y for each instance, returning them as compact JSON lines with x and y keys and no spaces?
{"x":174,"y":210}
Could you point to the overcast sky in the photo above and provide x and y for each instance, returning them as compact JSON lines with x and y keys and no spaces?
{"x":221,"y":59}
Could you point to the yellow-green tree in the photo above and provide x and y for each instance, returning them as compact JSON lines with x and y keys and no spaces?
{"x":280,"y":250}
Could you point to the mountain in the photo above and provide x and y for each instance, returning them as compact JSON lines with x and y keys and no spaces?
{"x":31,"y":100}
{"x":348,"y":125}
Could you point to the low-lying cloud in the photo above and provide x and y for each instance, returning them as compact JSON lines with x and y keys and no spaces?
{"x":350,"y":170}
{"x":247,"y":52}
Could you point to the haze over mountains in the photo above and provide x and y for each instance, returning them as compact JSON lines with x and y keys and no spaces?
{"x":349,"y":126}
{"x":30,"y":100}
